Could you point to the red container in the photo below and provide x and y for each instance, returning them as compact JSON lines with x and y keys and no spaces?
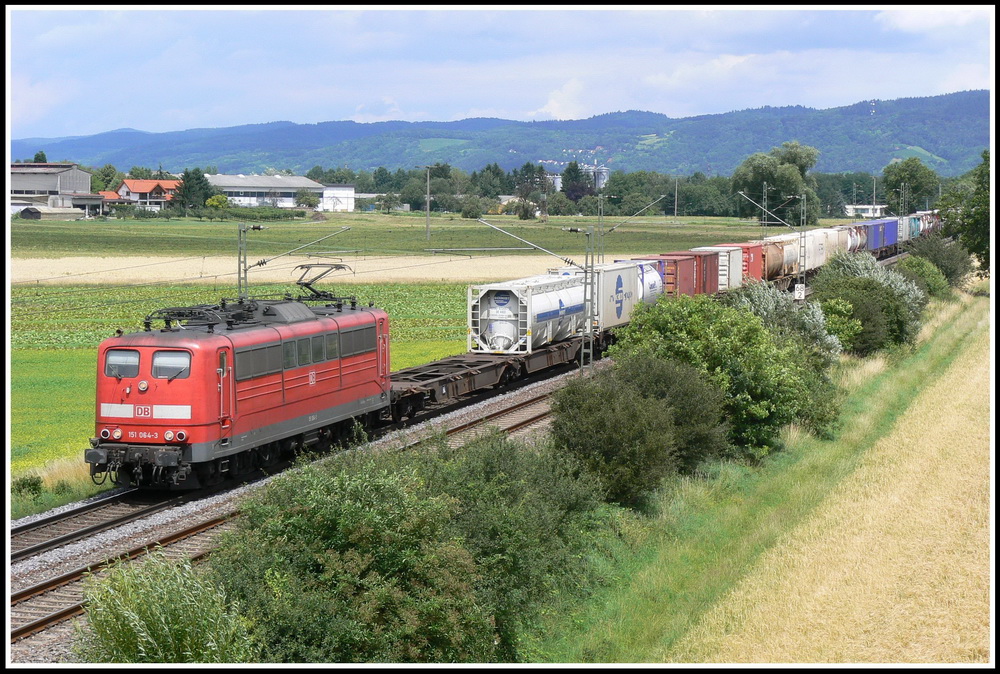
{"x":706,"y":280}
{"x":680,"y":274}
{"x":753,"y":260}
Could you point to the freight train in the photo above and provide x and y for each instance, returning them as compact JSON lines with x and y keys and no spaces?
{"x":220,"y":390}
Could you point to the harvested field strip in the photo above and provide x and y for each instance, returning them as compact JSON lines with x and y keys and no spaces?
{"x":894,"y":566}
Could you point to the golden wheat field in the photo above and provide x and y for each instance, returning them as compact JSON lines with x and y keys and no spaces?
{"x":895,"y":566}
{"x":371,"y":269}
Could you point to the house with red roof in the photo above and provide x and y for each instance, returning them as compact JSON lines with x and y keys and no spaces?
{"x":151,"y":194}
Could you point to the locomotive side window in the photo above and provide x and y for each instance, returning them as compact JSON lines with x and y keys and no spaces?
{"x":318,"y":352}
{"x":171,"y":365}
{"x":304,"y":352}
{"x":361,"y":340}
{"x":291,"y":360}
{"x":121,"y":363}
{"x":257,"y":361}
{"x":333,"y":345}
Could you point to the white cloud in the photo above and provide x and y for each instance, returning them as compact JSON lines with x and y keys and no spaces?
{"x":566,"y":102}
{"x":33,"y":101}
{"x":930,"y":20}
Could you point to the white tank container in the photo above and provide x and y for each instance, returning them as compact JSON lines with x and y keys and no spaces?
{"x":521,"y":315}
{"x":730,"y":265}
{"x":619,"y":286}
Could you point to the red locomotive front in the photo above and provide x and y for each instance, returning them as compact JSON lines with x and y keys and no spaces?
{"x":222,"y":390}
{"x":158,"y":399}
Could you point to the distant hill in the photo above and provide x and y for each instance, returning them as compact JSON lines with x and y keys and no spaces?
{"x":948,"y":133}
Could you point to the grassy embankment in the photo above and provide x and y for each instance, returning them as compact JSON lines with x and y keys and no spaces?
{"x":872,"y":547}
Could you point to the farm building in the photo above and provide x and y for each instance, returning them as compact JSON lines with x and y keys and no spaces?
{"x":44,"y":180}
{"x":281,"y":191}
{"x":51,"y":213}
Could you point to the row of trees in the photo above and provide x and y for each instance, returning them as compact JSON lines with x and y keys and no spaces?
{"x":778,"y":187}
{"x":782,"y":180}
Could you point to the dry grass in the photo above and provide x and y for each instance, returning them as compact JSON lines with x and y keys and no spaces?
{"x":895,"y":566}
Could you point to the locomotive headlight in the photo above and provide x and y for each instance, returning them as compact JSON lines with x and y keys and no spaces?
{"x":116,"y":434}
{"x":105,"y":434}
{"x":181,"y":436}
{"x":168,"y":436}
{"x":143,"y":385}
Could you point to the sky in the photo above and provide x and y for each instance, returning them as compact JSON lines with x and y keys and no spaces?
{"x":74,"y":70}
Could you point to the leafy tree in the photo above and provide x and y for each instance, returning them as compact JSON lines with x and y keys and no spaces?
{"x":217,"y":201}
{"x":559,"y":204}
{"x":840,"y":322}
{"x":383,"y":179}
{"x":193,"y":190}
{"x":622,"y":437}
{"x":388,"y":201}
{"x":106,"y":178}
{"x":966,"y":213}
{"x":492,"y":182}
{"x":924,"y":271}
{"x":760,"y":382}
{"x":472,"y":207}
{"x":908,"y":184}
{"x":523,"y":513}
{"x":307,"y":198}
{"x":40,"y":158}
{"x":908,"y":301}
{"x":950,"y":257}
{"x":783,"y":175}
{"x":576,"y":183}
{"x":140,"y":173}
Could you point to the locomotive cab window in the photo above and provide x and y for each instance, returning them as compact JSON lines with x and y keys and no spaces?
{"x":171,"y":365}
{"x":121,"y":363}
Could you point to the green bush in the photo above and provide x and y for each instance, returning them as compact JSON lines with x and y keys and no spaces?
{"x":840,"y":321}
{"x":950,"y":257}
{"x":921,"y":268}
{"x":762,"y":386}
{"x":623,"y":438}
{"x":883,"y":316}
{"x":29,"y":486}
{"x":699,"y":426}
{"x":524,"y":514}
{"x":902,"y":301}
{"x":342,"y":565}
{"x":801,"y":331}
{"x":160,"y":611}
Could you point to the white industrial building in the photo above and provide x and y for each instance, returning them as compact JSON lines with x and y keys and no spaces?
{"x":280,"y":191}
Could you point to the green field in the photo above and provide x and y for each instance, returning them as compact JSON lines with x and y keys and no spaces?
{"x":373,"y":234}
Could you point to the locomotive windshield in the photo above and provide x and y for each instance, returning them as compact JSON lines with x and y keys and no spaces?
{"x":171,"y":364}
{"x":121,"y":363}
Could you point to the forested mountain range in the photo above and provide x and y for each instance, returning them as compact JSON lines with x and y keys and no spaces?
{"x":948,"y":133}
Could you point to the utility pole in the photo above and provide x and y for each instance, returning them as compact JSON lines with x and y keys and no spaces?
{"x":427,"y":202}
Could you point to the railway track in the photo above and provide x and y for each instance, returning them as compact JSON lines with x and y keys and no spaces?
{"x":36,"y":608}
{"x":73,"y":525}
{"x":58,"y":599}
{"x":515,"y":418}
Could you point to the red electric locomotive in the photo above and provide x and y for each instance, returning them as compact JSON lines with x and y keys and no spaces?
{"x":220,"y":390}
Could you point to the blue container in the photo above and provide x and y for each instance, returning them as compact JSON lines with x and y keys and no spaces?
{"x":891,"y":232}
{"x":876,"y":235}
